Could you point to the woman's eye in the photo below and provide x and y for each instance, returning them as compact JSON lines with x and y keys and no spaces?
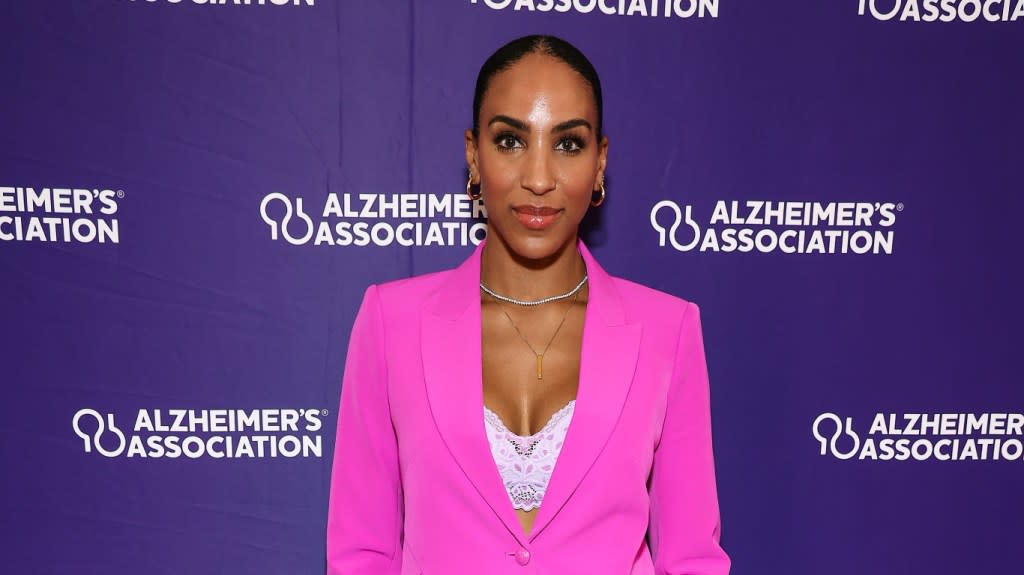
{"x":571,"y":145}
{"x":506,"y":141}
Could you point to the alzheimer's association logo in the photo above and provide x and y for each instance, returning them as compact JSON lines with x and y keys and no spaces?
{"x":840,"y":429}
{"x":682,"y":216}
{"x":942,"y":10}
{"x":281,"y":228}
{"x":923,"y":437}
{"x":60,"y":215}
{"x":361,"y":220}
{"x":94,"y":441}
{"x":204,"y":433}
{"x":768,"y":226}
{"x":640,"y":8}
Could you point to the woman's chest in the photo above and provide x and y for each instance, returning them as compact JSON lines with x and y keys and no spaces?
{"x":529,"y":371}
{"x":438,"y":392}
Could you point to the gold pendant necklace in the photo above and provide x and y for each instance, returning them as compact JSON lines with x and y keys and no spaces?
{"x":540,"y":356}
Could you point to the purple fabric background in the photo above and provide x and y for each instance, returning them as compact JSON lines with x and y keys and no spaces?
{"x":198,"y":112}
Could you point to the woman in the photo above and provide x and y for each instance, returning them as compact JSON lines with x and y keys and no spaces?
{"x":463,"y":388}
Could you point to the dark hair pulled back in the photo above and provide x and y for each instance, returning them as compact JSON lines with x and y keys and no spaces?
{"x":512,"y":52}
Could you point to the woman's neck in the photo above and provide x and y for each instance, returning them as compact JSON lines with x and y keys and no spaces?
{"x":512,"y":275}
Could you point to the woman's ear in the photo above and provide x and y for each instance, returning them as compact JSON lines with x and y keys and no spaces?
{"x":602,"y":158}
{"x":471,"y":154}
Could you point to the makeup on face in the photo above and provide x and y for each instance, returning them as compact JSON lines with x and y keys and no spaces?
{"x":538,"y":149}
{"x":537,"y":217}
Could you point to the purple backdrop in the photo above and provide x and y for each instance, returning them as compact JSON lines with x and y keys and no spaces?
{"x":194,"y":195}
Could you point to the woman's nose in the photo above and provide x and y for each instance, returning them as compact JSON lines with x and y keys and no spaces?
{"x":538,"y":176}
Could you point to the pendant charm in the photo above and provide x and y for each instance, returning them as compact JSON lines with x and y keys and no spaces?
{"x":540,"y":366}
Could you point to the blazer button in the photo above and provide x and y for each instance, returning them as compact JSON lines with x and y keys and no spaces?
{"x":522,"y":557}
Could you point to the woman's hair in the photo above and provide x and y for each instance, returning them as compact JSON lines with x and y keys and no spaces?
{"x":512,"y":52}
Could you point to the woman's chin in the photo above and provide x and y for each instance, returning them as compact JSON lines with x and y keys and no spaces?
{"x":538,"y":247}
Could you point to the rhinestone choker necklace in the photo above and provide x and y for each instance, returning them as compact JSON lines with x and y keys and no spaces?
{"x":565,"y":295}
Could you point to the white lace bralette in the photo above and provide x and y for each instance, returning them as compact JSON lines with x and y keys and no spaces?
{"x":526,"y":463}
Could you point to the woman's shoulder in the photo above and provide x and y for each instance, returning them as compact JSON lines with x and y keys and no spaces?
{"x":648,"y":304}
{"x":425,"y":283}
{"x":666,"y":317}
{"x":407,"y":293}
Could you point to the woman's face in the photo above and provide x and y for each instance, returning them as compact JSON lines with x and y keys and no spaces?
{"x":538,"y":159}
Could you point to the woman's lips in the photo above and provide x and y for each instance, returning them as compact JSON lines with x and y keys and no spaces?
{"x":537,"y":218}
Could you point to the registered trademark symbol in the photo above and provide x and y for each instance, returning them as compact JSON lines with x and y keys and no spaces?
{"x":120,"y":194}
{"x":324,"y":413}
{"x":899,"y":207}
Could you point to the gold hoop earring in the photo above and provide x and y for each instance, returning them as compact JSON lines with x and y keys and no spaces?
{"x":469,"y":189}
{"x":600,"y":201}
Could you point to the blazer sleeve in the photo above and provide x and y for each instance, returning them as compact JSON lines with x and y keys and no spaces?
{"x":685,"y":526}
{"x":365,"y":513}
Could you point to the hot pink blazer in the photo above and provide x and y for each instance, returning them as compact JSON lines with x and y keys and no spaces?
{"x":415,"y":490}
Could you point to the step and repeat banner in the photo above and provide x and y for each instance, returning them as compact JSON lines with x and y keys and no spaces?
{"x":194,"y":195}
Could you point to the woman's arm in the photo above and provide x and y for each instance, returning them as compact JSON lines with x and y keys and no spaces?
{"x":685,"y":525}
{"x":364,"y":518}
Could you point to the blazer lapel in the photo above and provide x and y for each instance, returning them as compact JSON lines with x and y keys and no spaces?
{"x":607,"y":361}
{"x":454,"y":382}
{"x":453,"y":372}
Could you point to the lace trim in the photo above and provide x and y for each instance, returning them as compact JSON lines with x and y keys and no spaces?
{"x":526,"y":462}
{"x":495,"y":420}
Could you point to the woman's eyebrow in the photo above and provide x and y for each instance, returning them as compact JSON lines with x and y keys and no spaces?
{"x":517,"y":124}
{"x":521,"y":125}
{"x":570,"y":124}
